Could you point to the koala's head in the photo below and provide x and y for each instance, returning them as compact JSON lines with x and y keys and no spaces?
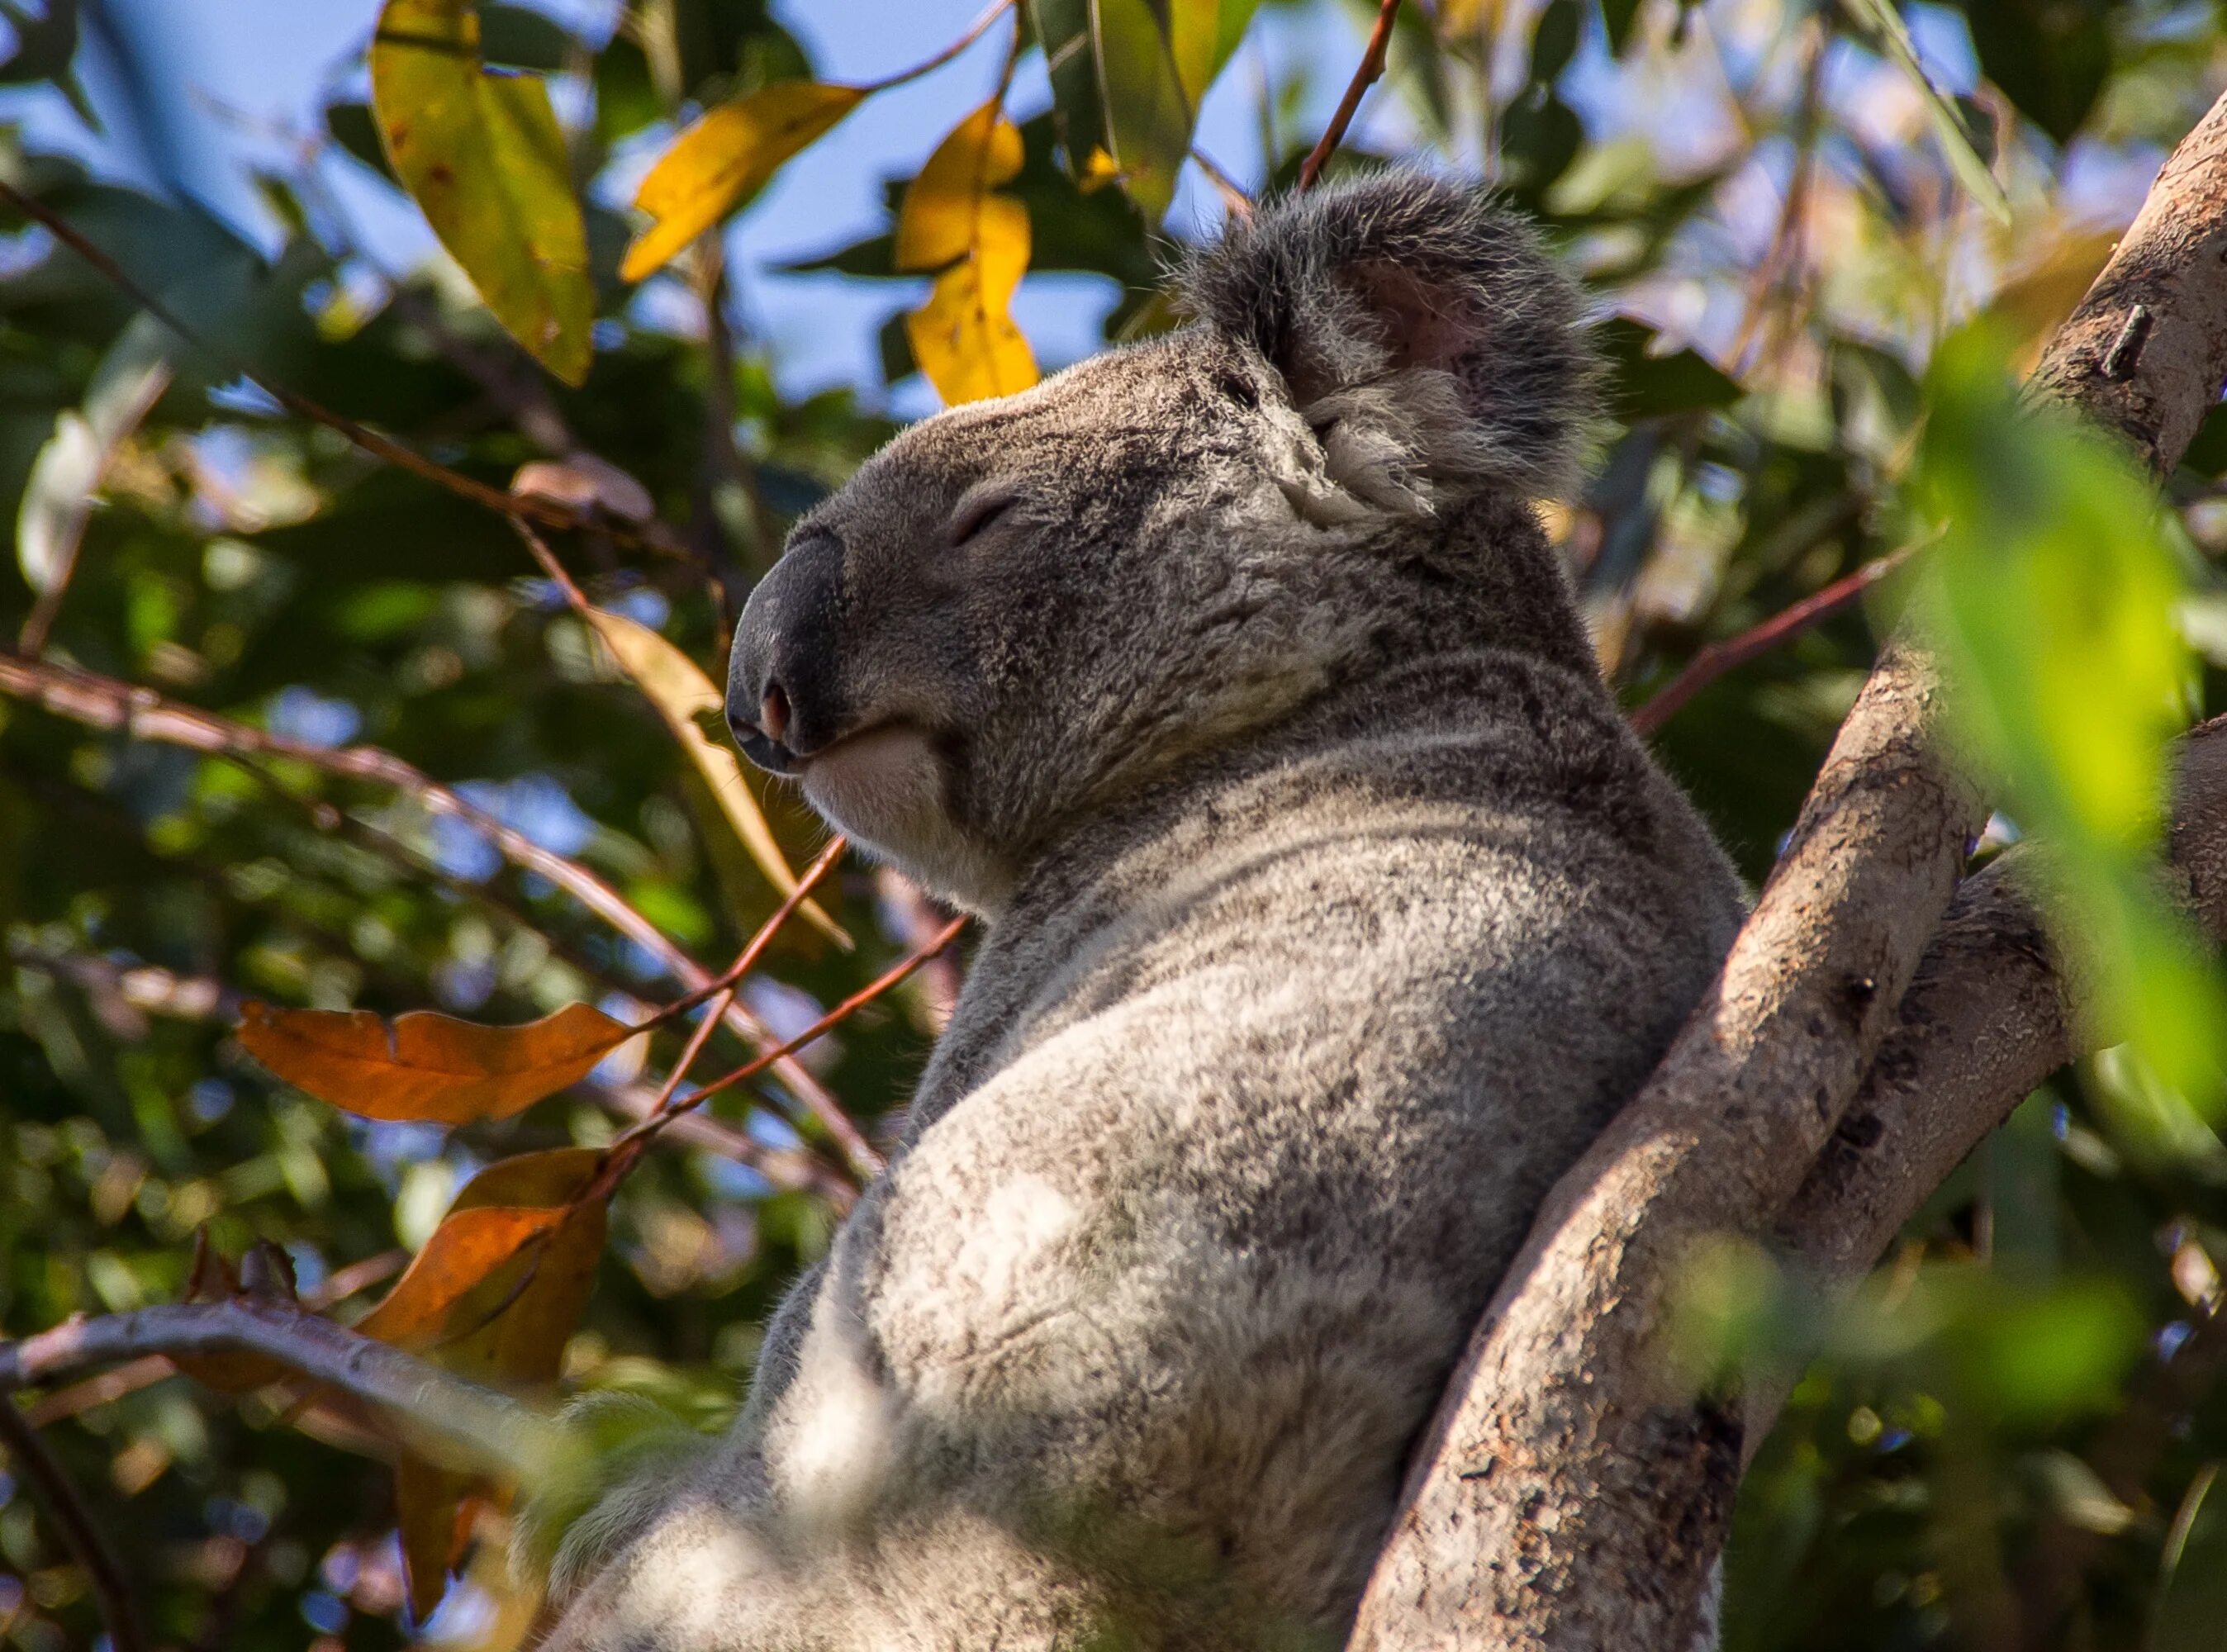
{"x":1021,"y":609}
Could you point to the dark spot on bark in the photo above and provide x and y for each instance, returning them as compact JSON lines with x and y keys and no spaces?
{"x":1860,"y":1130}
{"x":2126,"y":352}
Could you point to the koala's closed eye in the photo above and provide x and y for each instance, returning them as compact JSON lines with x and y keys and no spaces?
{"x":975,"y":514}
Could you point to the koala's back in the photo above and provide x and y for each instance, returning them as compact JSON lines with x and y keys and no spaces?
{"x":1227,"y":1149}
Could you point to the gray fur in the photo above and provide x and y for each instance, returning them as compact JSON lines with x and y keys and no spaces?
{"x":1333,"y":910}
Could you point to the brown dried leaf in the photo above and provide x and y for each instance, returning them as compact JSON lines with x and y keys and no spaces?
{"x":427,"y":1066}
{"x":494,"y":1296}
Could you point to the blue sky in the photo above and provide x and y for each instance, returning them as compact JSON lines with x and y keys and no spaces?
{"x":250,"y":73}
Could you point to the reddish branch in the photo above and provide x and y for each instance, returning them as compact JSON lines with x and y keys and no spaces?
{"x":1715,"y":659}
{"x":1370,"y":70}
{"x":933,"y":947}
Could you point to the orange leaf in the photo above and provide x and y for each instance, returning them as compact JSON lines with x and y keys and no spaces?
{"x":494,"y":1296}
{"x":426,"y":1065}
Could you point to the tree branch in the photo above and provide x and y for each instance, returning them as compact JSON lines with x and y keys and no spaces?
{"x":653,"y":534}
{"x":452,"y":1422}
{"x":104,"y":703}
{"x":1565,"y":1496}
{"x":81,"y":1533}
{"x":1370,"y":70}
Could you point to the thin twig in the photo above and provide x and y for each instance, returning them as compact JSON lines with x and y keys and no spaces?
{"x":652,"y":536}
{"x":1372,"y":68}
{"x":1234,"y":200}
{"x":1716,"y":659}
{"x":975,"y":30}
{"x":864,"y":995}
{"x":104,"y":703}
{"x":619,"y":1158}
{"x":81,"y":1533}
{"x":865,"y":1162}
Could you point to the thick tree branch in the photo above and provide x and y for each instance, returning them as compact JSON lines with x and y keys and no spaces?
{"x":1567,"y":1495}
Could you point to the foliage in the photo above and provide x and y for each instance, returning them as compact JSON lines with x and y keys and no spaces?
{"x":368,"y":876}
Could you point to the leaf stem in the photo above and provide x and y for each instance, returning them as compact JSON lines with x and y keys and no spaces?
{"x":975,"y":30}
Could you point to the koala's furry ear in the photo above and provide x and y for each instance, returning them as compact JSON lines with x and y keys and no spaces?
{"x":1413,"y":307}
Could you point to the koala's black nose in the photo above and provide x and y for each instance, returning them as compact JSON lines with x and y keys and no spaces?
{"x":784,"y":701}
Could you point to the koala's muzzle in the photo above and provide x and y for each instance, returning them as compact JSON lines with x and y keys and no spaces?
{"x":784,"y":702}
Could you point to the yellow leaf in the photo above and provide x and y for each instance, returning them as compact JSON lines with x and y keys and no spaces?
{"x":1098,"y":171}
{"x":494,"y":1296}
{"x":679,"y":692}
{"x":953,"y":220}
{"x":482,"y":156}
{"x":718,"y":164}
{"x":428,"y":1067}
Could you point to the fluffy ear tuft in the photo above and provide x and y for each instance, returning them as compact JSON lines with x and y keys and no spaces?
{"x":1412,"y":287}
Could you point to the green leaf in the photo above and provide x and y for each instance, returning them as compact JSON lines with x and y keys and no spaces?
{"x":2054,"y":596}
{"x":46,"y":47}
{"x":2052,"y":58}
{"x":1649,"y":386}
{"x":514,"y":37}
{"x":1127,"y":78}
{"x":1947,"y":125}
{"x":2192,"y":1592}
{"x":482,"y":156}
{"x":1617,"y":16}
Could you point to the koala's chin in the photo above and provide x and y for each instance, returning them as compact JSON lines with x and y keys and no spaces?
{"x":885,"y":790}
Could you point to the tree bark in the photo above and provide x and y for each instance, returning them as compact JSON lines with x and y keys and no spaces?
{"x":1568,"y":1494}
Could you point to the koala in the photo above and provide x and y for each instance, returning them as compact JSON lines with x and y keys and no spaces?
{"x":1330,"y":910}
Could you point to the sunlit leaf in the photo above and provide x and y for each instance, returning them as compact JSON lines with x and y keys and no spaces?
{"x":1128,"y":78}
{"x":494,"y":1296}
{"x":425,"y":1066}
{"x":2052,"y":595}
{"x":952,"y":219}
{"x":715,"y":166}
{"x":682,"y":693}
{"x":483,"y":157}
{"x":64,"y":477}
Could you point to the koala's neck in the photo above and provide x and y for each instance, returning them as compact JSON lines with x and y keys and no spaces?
{"x":1430,"y":738}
